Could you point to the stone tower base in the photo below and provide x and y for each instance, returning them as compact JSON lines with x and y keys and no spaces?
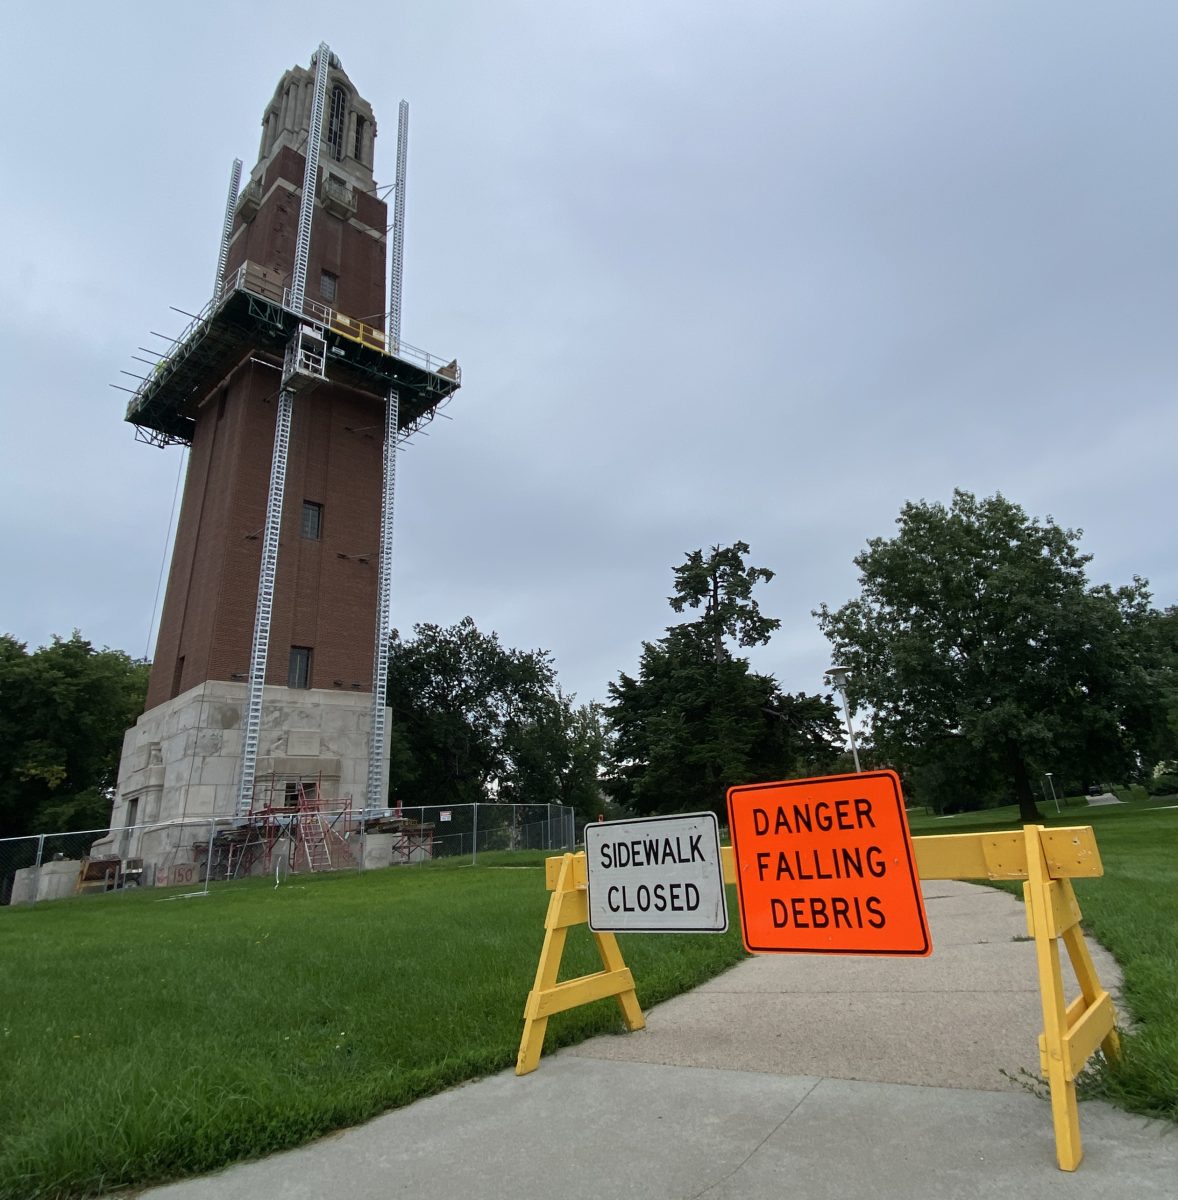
{"x":182,"y":760}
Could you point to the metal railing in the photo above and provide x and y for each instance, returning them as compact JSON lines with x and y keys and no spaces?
{"x":249,"y":278}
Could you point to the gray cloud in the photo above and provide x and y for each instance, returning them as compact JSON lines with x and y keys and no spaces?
{"x":762,"y":271}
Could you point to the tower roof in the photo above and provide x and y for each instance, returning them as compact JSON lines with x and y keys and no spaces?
{"x":349,"y":125}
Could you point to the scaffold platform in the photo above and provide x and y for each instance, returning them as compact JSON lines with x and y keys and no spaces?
{"x":255,"y":314}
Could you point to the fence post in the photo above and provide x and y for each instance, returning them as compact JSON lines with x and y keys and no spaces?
{"x":474,"y":841}
{"x":209,"y":860}
{"x":40,"y":856}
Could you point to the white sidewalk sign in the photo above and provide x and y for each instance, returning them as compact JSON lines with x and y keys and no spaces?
{"x":657,"y":875}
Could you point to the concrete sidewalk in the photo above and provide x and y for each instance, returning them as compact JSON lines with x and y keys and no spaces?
{"x":851,"y":1079}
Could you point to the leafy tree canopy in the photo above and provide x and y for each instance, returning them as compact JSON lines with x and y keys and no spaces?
{"x":985,"y":655}
{"x":696,"y":719}
{"x":475,"y":721}
{"x":63,"y":711}
{"x":723,"y":586}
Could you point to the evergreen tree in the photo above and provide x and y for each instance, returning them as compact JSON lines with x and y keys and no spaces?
{"x":697,"y":720}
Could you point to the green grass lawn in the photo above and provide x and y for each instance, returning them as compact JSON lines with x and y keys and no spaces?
{"x":1133,"y":911}
{"x":142,"y":1039}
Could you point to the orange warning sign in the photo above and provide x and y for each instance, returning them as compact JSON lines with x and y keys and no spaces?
{"x":825,"y":866}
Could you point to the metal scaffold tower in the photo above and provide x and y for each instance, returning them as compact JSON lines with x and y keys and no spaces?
{"x":397,"y":265}
{"x":380,"y":668}
{"x":227,"y":228}
{"x":301,"y":359}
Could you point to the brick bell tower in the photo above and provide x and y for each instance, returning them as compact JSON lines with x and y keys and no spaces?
{"x":292,"y":388}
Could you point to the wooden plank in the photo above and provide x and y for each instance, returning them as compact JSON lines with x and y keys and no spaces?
{"x":575,"y":992}
{"x":1000,"y":855}
{"x":611,"y":959}
{"x":552,"y":870}
{"x":573,"y":909}
{"x":1063,"y":911}
{"x":1089,"y":1031}
{"x":1071,"y":853}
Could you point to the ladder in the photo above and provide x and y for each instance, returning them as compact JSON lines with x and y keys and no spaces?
{"x":397,"y":263}
{"x":377,"y":797}
{"x":265,"y":606}
{"x":380,"y":654}
{"x":298,"y":354}
{"x":298,"y":278}
{"x":311,"y":836}
{"x":227,"y":228}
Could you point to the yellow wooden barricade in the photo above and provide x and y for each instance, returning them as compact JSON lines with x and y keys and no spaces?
{"x":1047,"y":860}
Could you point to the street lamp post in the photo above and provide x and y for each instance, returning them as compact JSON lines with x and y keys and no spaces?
{"x":838,"y":677}
{"x":1051,"y":781}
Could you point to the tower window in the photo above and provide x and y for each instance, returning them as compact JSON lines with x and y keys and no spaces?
{"x":312,"y":526}
{"x":335,"y":122}
{"x":327,"y":282}
{"x":358,"y":145}
{"x":299,"y":675}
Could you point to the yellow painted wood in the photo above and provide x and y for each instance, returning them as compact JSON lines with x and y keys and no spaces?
{"x":1088,"y":1032}
{"x":552,"y":870}
{"x":1063,"y":912}
{"x":1065,"y":1114}
{"x":575,"y":992}
{"x":568,"y":906}
{"x":1071,"y":853}
{"x":547,"y":971}
{"x":574,"y":909}
{"x":1003,"y":855}
{"x":998,"y":855}
{"x":1075,"y":1010}
{"x":611,"y":956}
{"x":1090,"y":989}
{"x":1045,"y":859}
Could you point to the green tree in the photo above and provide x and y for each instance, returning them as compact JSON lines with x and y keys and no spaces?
{"x":984,"y":654}
{"x":63,"y":711}
{"x":585,"y":739}
{"x":475,"y":721}
{"x":1158,"y":639}
{"x":723,"y":586}
{"x":696,"y":719}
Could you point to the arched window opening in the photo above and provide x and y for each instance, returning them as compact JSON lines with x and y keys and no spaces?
{"x":335,"y":122}
{"x":358,"y":147}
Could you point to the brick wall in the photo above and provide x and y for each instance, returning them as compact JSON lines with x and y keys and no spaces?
{"x":325,"y":594}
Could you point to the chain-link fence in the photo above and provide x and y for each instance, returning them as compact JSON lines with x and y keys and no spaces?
{"x":472,"y":829}
{"x":197,"y":851}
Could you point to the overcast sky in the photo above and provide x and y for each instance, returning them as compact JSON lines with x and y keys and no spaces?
{"x":755,"y":271}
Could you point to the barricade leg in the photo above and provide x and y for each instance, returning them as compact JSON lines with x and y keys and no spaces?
{"x":1070,"y":1031}
{"x":568,"y":907}
{"x":1093,"y":994}
{"x":611,"y":959}
{"x":547,"y":972}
